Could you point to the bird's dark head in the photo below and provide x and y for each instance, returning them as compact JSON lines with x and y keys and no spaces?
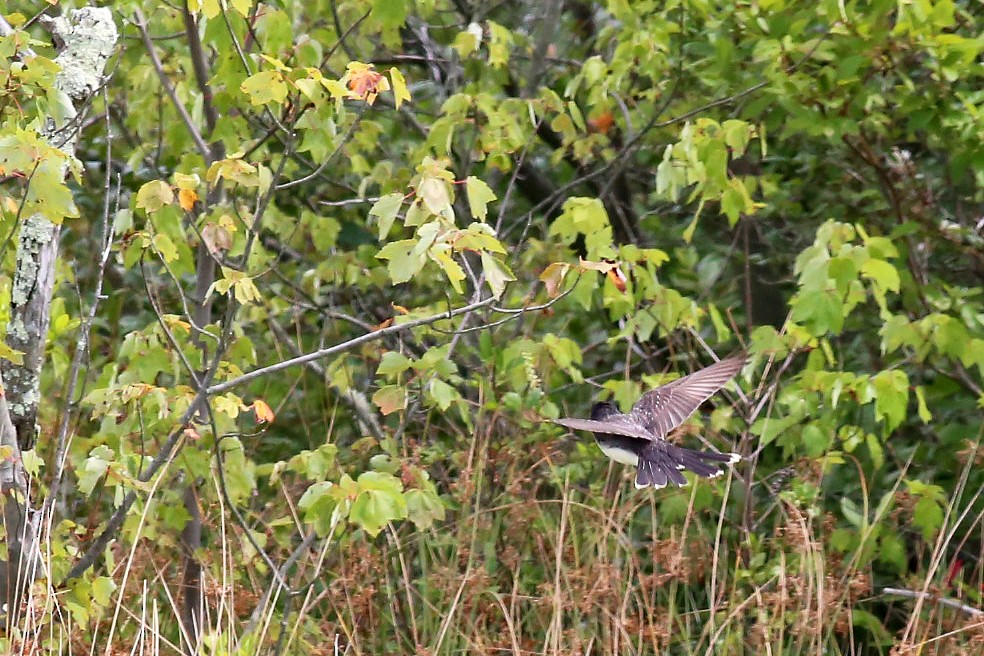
{"x":603,"y":410}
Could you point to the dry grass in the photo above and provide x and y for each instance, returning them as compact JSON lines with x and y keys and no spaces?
{"x":535,"y":559}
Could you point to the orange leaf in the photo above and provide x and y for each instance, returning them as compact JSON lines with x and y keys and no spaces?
{"x":365,"y":83}
{"x":618,"y":278}
{"x":602,"y":122}
{"x":263,"y":412}
{"x":187,"y":198}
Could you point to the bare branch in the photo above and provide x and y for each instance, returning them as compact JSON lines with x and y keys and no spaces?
{"x":344,"y":346}
{"x":196,"y":136}
{"x":942,"y":601}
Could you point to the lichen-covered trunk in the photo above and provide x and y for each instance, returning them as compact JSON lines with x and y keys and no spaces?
{"x":85,"y":40}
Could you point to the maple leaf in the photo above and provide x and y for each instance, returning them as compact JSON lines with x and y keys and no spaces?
{"x":601,"y":123}
{"x":263,"y":412}
{"x":187,"y":198}
{"x":364,"y":83}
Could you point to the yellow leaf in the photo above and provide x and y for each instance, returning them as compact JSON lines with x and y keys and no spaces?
{"x":242,"y":6}
{"x":154,"y":195}
{"x":434,"y":193}
{"x":186,"y":181}
{"x":400,"y":91}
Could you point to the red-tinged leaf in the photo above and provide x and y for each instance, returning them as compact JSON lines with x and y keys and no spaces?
{"x":553,"y":277}
{"x":390,"y":399}
{"x":217,"y":238}
{"x":364,"y":83}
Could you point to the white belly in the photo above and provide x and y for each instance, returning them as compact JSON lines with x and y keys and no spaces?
{"x":620,"y":455}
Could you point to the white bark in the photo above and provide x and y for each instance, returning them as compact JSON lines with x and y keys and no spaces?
{"x":85,"y":40}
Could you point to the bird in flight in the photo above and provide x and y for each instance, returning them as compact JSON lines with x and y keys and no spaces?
{"x":638,"y":437}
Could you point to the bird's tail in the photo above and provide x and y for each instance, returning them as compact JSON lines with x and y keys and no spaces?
{"x":663,"y":463}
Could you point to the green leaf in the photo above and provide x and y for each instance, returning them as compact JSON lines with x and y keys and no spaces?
{"x":721,"y":330}
{"x":852,"y":513}
{"x":239,"y":472}
{"x":873,"y":624}
{"x":769,"y":428}
{"x":94,"y":468}
{"x":390,"y":399}
{"x":48,"y":194}
{"x":891,"y":397}
{"x":154,"y":195}
{"x":451,"y":269}
{"x":479,"y":196}
{"x":927,"y":515}
{"x":404,"y":262}
{"x":265,"y":87}
{"x":497,"y":274}
{"x":821,"y":310}
{"x":467,"y":42}
{"x":815,"y":440}
{"x":924,"y":414}
{"x":442,"y":393}
{"x":393,"y":363}
{"x":892,"y":551}
{"x":163,"y":245}
{"x":321,"y":505}
{"x":424,"y":507}
{"x":585,"y":216}
{"x":386,"y":209}
{"x":389,"y":13}
{"x":102,"y":590}
{"x":11,"y":355}
{"x":380,"y":501}
{"x":883,"y":273}
{"x":238,"y":171}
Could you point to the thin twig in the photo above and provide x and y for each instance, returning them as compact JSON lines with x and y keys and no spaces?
{"x":942,"y":601}
{"x":344,"y":346}
{"x":203,"y":148}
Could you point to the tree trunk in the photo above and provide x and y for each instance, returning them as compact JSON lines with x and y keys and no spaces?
{"x":85,"y":41}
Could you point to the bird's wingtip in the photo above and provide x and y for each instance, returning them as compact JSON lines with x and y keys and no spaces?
{"x":735,"y":457}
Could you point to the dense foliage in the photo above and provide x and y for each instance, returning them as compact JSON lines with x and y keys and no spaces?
{"x":478,"y":216}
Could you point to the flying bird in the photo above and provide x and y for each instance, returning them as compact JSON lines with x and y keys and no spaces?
{"x":638,"y":437}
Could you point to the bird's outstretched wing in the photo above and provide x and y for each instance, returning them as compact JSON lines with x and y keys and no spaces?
{"x":666,"y":407}
{"x":615,"y":425}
